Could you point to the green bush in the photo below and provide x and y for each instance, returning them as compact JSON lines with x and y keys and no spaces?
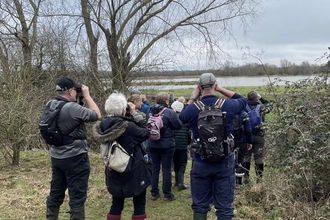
{"x":298,"y":140}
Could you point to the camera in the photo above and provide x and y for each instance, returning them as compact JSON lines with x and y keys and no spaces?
{"x":128,"y":111}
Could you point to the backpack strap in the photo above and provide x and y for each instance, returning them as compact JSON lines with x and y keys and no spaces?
{"x":247,"y":107}
{"x":219,"y":103}
{"x":161,"y":111}
{"x":200,"y":105}
{"x":257,"y":108}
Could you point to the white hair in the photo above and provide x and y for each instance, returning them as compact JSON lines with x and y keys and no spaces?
{"x":115,"y":104}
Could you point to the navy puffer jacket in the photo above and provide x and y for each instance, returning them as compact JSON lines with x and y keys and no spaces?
{"x":171,"y":122}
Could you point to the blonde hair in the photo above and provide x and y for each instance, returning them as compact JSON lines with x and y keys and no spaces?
{"x":134,"y":97}
{"x":182,"y":99}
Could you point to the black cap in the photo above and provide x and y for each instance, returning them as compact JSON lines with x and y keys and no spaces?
{"x":66,"y":83}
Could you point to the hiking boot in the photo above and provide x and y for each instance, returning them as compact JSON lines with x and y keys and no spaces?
{"x":172,"y":198}
{"x":155,"y":197}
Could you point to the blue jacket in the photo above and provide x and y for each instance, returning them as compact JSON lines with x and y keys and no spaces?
{"x":232,"y":106}
{"x":171,"y":122}
{"x":145,"y":107}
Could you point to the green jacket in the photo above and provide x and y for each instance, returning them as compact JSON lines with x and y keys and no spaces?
{"x":182,"y":138}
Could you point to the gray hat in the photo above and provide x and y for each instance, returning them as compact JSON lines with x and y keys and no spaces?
{"x":206,"y":79}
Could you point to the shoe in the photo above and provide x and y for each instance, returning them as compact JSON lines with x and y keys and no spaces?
{"x":155,"y":197}
{"x":172,"y":198}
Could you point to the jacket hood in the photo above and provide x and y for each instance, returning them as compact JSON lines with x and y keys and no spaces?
{"x":109,"y":129}
{"x":157,"y":108}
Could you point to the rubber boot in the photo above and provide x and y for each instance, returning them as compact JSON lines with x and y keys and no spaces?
{"x":139,"y":217}
{"x":200,"y":216}
{"x":181,"y":185}
{"x":77,"y":213}
{"x":113,"y":217}
{"x":176,"y":179}
{"x":259,"y":172}
{"x":247,"y":166}
{"x":224,"y":218}
{"x":52,"y":213}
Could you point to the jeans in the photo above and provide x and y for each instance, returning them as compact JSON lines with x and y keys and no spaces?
{"x":161,"y":156}
{"x":70,"y":173}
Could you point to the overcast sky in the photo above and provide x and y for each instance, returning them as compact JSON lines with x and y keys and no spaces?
{"x":295,"y":30}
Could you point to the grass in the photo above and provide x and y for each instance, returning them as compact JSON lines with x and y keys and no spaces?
{"x":25,"y":188}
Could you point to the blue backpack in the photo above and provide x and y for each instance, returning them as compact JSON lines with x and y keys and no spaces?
{"x":255,"y":118}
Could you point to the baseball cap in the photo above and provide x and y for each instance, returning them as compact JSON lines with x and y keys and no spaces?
{"x":206,"y":79}
{"x":177,"y":106}
{"x":66,"y":83}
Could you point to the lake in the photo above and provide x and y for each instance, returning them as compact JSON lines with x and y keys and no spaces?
{"x":223,"y":81}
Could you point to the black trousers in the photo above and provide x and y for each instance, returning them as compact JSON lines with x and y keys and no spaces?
{"x":72,"y":174}
{"x":180,"y":158}
{"x":139,"y":203}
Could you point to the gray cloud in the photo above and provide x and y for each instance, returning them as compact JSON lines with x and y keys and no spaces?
{"x":296,"y":30}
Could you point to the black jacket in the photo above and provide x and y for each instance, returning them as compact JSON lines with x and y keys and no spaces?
{"x":129,"y":134}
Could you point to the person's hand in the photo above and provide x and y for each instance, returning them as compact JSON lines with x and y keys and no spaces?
{"x":131,"y":107}
{"x":84,"y":90}
{"x":249,"y":146}
{"x":259,"y":96}
{"x":195,"y":94}
{"x":143,"y":97}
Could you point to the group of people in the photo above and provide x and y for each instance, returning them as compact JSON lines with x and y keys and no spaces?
{"x":126,"y":123}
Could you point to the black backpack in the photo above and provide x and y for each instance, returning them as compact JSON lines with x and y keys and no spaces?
{"x":48,"y":124}
{"x":212,"y":132}
{"x":238,"y":128}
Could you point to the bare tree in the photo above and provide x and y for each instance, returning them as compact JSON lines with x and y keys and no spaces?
{"x":18,"y":36}
{"x":134,"y":28}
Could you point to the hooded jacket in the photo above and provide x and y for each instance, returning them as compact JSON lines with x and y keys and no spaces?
{"x":129,"y":134}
